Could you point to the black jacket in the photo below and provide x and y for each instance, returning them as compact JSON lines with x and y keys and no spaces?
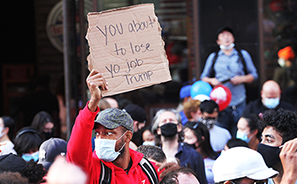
{"x":256,"y":107}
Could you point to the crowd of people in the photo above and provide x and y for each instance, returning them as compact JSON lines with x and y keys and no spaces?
{"x":194,"y":143}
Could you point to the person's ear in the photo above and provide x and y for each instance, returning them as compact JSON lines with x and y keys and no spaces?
{"x":135,"y":125}
{"x":129,"y":136}
{"x":158,"y":131}
{"x":197,"y":144}
{"x":218,"y":42}
{"x":6,"y":130}
{"x":254,"y":132}
{"x":179,"y":127}
{"x":203,"y":138}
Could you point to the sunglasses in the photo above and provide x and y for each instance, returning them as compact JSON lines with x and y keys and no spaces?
{"x":192,"y":124}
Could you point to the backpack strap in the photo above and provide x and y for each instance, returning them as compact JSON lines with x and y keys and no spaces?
{"x":241,"y":58}
{"x":147,"y":167}
{"x":213,"y":72}
{"x":105,"y":175}
{"x":149,"y":170}
{"x":242,"y":61}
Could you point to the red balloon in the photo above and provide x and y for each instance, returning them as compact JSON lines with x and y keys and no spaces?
{"x":222,"y":96}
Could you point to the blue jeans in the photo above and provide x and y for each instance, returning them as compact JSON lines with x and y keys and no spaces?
{"x":229,"y":117}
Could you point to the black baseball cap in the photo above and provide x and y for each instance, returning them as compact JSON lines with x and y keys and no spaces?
{"x":226,"y":28}
{"x":50,"y":149}
{"x":136,"y":112}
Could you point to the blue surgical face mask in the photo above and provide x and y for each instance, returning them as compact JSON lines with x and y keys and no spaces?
{"x":105,"y":149}
{"x":243,"y":136}
{"x":28,"y":156}
{"x":271,"y":103}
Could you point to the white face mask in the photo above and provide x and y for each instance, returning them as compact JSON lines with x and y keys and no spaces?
{"x":105,"y":149}
{"x":281,"y":62}
{"x":223,"y":47}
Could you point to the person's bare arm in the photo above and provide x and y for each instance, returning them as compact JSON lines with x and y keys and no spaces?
{"x":288,"y":157}
{"x":211,"y":81}
{"x":242,"y":79}
{"x":96,"y":83}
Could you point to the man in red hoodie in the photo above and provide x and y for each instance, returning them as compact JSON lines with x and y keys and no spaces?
{"x":112,"y":160}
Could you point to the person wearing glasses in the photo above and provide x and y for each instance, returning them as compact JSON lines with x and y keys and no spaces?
{"x":197,"y":136}
{"x":241,"y":165}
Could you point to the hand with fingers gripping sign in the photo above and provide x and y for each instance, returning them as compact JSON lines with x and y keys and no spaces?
{"x":96,"y":83}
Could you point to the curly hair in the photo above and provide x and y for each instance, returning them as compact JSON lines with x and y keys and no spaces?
{"x":284,"y":122}
{"x":34,"y":172}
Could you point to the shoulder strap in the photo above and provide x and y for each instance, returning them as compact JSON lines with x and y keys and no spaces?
{"x":147,"y":167}
{"x":105,"y":175}
{"x":242,"y":61}
{"x":149,"y":170}
{"x":213,"y":72}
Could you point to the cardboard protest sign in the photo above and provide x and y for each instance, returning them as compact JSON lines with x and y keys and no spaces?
{"x":126,"y":46}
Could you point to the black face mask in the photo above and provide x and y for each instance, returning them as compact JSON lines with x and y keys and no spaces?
{"x":191,"y":145}
{"x":269,"y":153}
{"x":48,"y":135}
{"x":169,"y":129}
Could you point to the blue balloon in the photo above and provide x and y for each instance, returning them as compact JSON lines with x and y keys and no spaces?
{"x":200,"y":88}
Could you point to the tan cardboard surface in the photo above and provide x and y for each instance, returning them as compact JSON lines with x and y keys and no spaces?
{"x":126,"y":46}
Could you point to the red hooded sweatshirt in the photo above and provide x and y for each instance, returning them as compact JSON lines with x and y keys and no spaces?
{"x":79,"y":152}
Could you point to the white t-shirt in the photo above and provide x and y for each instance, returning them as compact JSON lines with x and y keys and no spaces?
{"x":218,"y":138}
{"x":6,"y":147}
{"x":208,"y":163}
